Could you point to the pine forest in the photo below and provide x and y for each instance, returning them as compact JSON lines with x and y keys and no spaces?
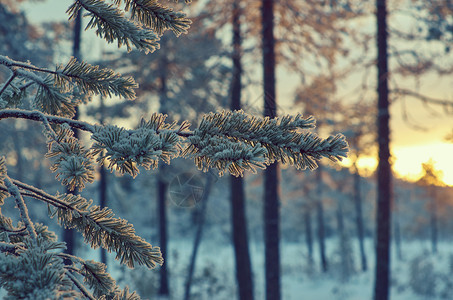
{"x":200,"y":149}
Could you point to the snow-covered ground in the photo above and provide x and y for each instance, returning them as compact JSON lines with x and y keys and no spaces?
{"x":300,"y":281}
{"x":214,"y":275}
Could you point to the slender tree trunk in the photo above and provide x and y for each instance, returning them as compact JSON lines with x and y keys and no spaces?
{"x":162,"y":187}
{"x":308,"y":234}
{"x":347,"y":263}
{"x":359,"y":220}
{"x":320,"y":220}
{"x":271,"y":201}
{"x":198,"y":236}
{"x":238,"y":215}
{"x":382,"y":276}
{"x":162,"y":211}
{"x":68,"y":234}
{"x":397,"y":229}
{"x":102,"y":180}
{"x":103,"y":202}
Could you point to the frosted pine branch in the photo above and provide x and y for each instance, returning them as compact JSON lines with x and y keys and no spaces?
{"x":3,"y":192}
{"x":99,"y":227}
{"x":91,"y":79}
{"x":80,"y":286}
{"x":225,"y":155}
{"x":71,"y":161}
{"x":14,"y":192}
{"x":55,"y":91}
{"x":8,"y":82}
{"x":283,"y":139}
{"x":156,"y":16}
{"x":97,"y":279}
{"x":8,"y":247}
{"x":145,"y":146}
{"x":228,"y":141}
{"x":111,"y":24}
{"x":22,"y":275}
{"x":37,"y":116}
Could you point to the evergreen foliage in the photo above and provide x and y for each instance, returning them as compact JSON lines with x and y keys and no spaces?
{"x":32,"y":265}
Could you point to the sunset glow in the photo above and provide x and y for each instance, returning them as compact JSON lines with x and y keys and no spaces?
{"x":408,"y":161}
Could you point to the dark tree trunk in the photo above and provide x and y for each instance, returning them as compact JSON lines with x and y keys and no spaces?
{"x":381,"y":288}
{"x":68,"y":234}
{"x":271,"y":201}
{"x":240,"y":240}
{"x":103,"y":202}
{"x":198,"y":236}
{"x":359,"y":220}
{"x":162,"y":186}
{"x":308,"y":234}
{"x":320,"y":219}
{"x":238,"y":215}
{"x":162,"y":211}
{"x":397,"y":229}
{"x":102,"y":180}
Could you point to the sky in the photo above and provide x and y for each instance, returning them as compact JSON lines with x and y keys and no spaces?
{"x":410,"y":147}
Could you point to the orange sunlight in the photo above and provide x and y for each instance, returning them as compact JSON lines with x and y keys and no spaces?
{"x":408,"y":161}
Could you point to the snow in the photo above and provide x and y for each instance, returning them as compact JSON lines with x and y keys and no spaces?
{"x":299,"y":281}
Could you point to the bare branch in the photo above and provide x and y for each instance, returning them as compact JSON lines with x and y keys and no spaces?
{"x":421,"y":97}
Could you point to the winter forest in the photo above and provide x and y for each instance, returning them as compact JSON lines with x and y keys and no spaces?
{"x":269,"y":149}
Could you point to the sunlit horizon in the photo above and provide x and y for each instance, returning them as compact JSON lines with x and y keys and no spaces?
{"x":408,"y":161}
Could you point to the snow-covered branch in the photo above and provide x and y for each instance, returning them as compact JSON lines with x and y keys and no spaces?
{"x":38,"y":116}
{"x":14,"y":192}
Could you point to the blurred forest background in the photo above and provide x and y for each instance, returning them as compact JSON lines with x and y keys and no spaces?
{"x":326,"y":67}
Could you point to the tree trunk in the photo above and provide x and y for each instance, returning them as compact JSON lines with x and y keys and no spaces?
{"x":162,"y":185}
{"x":320,"y":219}
{"x":162,"y":216}
{"x":240,"y":240}
{"x":103,"y":202}
{"x":102,"y":180}
{"x":359,"y":219}
{"x":308,"y":234}
{"x":397,"y":229}
{"x":271,"y":201}
{"x":198,"y":236}
{"x":68,"y":234}
{"x":347,"y":262}
{"x":244,"y":275}
{"x":382,"y":276}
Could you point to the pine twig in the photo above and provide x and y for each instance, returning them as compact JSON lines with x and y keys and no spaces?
{"x":8,"y":82}
{"x":14,"y":191}
{"x":134,"y":251}
{"x":111,"y":24}
{"x":79,"y":286}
